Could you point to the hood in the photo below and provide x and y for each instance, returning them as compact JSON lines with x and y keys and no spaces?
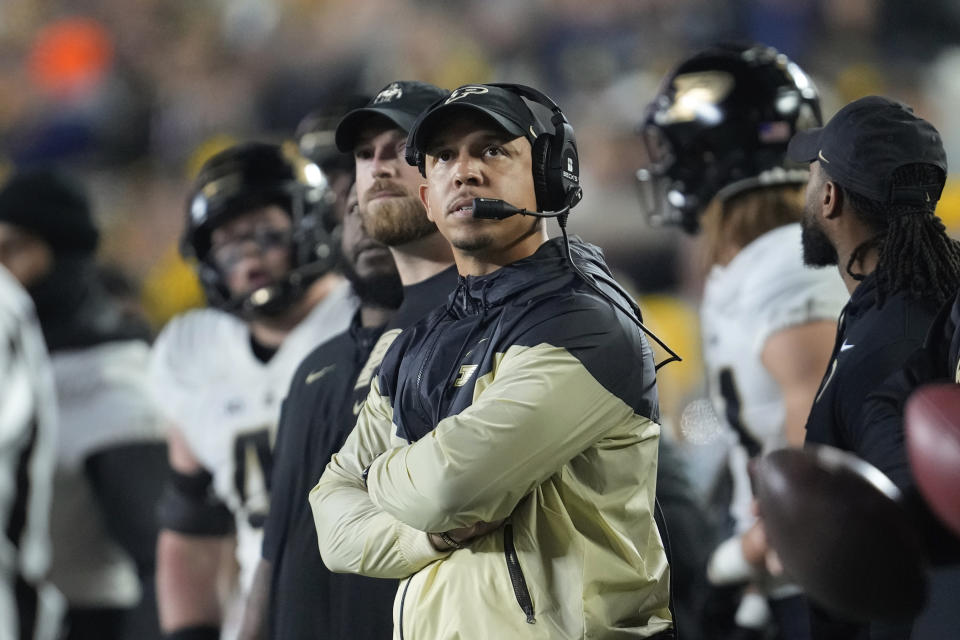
{"x":543,"y":272}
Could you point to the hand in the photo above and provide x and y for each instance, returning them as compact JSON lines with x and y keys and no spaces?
{"x":756,"y":548}
{"x":754,"y":545}
{"x":463,"y":535}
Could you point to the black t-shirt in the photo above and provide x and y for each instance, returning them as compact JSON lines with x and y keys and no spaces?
{"x":423,"y":297}
{"x":872,"y":343}
{"x":306,"y":599}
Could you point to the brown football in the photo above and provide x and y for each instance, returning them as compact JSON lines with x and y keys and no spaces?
{"x":840,"y":533}
{"x":932,"y":424}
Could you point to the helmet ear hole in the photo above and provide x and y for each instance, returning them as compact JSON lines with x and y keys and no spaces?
{"x":540,"y":157}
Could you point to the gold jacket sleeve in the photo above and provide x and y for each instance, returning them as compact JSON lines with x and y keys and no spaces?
{"x":535,"y":411}
{"x":356,"y":536}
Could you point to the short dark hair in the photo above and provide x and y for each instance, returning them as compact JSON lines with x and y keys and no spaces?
{"x":915,"y":254}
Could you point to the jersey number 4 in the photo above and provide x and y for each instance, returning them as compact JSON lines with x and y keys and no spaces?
{"x":253,"y":462}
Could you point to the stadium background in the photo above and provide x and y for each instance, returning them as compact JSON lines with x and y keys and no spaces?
{"x":131,"y":95}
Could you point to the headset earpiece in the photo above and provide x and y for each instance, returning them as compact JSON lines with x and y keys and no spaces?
{"x":556,"y":164}
{"x":540,"y":158}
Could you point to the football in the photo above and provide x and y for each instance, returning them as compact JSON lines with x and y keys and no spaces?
{"x":932,"y":425}
{"x":840,"y":533}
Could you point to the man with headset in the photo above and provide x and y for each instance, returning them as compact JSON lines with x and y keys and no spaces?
{"x":503,"y":464}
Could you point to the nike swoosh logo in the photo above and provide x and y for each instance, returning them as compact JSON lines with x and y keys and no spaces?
{"x":820,"y":155}
{"x":845,"y":346}
{"x":316,"y":375}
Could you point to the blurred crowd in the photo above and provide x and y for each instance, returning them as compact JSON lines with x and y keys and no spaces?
{"x":133,"y":98}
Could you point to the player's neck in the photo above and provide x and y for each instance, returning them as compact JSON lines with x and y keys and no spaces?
{"x":421,"y":259}
{"x":725,"y":254}
{"x":271,"y":332}
{"x":866,"y":262}
{"x":866,"y":265}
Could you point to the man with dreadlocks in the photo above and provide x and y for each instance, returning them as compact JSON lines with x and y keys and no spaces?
{"x":876,"y":174}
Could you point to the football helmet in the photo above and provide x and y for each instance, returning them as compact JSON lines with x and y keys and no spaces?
{"x":719,"y":126}
{"x":251,"y":175}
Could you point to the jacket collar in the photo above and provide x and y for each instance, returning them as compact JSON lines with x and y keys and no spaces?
{"x":863,"y":298}
{"x":545,"y":269}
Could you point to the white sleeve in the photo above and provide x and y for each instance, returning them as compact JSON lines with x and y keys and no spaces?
{"x":173,"y":375}
{"x":785,"y":294}
{"x":27,"y":438}
{"x":104,"y":399}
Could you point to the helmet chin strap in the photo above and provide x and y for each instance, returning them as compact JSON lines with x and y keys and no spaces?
{"x":275,"y":299}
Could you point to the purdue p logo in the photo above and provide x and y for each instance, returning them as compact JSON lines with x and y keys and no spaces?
{"x":463,"y":92}
{"x":466,"y":372}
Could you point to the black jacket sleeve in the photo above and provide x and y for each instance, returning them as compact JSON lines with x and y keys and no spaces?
{"x":883,"y":443}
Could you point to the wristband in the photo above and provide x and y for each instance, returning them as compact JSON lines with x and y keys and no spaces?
{"x":196,"y":632}
{"x":366,"y":472}
{"x":450,"y":541}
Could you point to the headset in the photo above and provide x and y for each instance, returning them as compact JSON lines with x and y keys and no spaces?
{"x":556,"y":179}
{"x":556,"y":163}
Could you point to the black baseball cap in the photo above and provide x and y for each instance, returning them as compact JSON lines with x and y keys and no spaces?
{"x":506,"y":108}
{"x":401,"y":102}
{"x":866,"y":141}
{"x":51,"y":205}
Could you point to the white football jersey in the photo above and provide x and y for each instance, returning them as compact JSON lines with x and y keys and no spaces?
{"x":765,"y":288}
{"x":207,"y":382}
{"x":104,"y":401}
{"x":28,"y":426}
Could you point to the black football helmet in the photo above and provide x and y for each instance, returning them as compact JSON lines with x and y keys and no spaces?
{"x":251,"y":175}
{"x":719,"y":126}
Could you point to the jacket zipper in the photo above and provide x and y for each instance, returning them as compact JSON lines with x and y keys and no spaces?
{"x":423,"y":365}
{"x":516,"y":575}
{"x":403,"y":600}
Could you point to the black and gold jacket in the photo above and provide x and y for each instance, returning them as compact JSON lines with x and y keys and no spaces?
{"x":527,"y":398}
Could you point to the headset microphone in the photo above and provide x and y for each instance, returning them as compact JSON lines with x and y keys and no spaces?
{"x":493,"y":209}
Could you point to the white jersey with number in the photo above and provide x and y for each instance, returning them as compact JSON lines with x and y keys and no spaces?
{"x":27,"y":449}
{"x":208,"y":383}
{"x":765,"y":288}
{"x":104,"y":401}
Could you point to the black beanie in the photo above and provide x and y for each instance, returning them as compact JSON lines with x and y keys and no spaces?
{"x":51,"y":206}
